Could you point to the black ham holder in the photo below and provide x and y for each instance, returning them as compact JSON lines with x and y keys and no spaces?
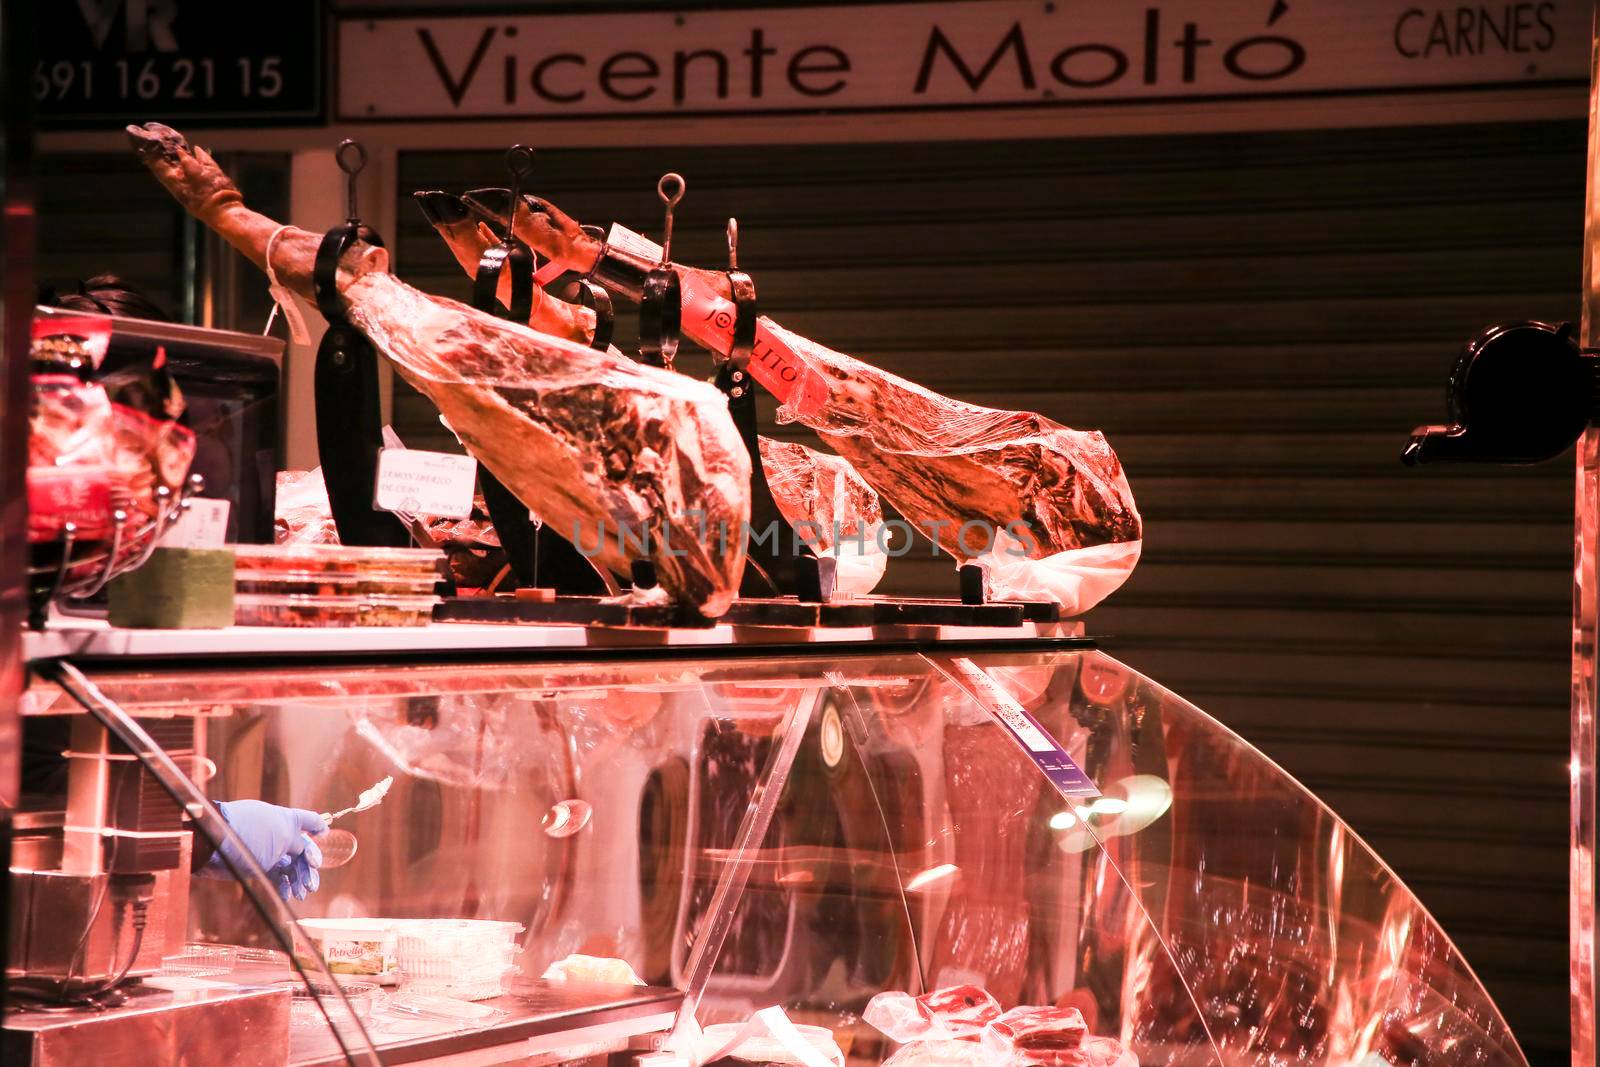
{"x":775,"y":565}
{"x":537,"y":556}
{"x":349,"y":420}
{"x":781,"y":564}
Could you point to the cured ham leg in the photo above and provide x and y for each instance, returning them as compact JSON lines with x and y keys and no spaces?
{"x":999,"y":487}
{"x":629,"y":461}
{"x":817,"y":494}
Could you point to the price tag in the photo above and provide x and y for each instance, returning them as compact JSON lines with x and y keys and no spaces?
{"x":1064,"y":773}
{"x":414,"y":482}
{"x":203,"y":524}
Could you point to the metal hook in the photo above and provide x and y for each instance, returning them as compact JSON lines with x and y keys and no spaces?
{"x":519,"y":161}
{"x":671,"y":201}
{"x":352,"y":163}
{"x":733,"y":244}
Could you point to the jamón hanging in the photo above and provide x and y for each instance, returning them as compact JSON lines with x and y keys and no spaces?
{"x":634,"y":462}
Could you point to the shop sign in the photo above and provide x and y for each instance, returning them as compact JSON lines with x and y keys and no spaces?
{"x":934,"y":56}
{"x":195,"y":62}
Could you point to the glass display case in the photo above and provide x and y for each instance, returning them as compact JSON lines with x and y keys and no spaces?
{"x":669,"y":843}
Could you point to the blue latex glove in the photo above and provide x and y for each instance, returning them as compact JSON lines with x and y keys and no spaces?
{"x":278,"y":840}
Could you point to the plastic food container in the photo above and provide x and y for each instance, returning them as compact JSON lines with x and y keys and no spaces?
{"x":353,"y":946}
{"x":261,"y":609}
{"x":466,"y":959}
{"x":316,"y":583}
{"x":308,"y":999}
{"x":200,"y":961}
{"x":340,"y":559}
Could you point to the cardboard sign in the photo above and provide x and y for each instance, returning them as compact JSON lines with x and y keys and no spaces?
{"x":436,"y":484}
{"x":203,"y":524}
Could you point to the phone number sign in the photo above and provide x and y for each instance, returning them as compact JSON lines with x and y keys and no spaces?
{"x":112,"y":62}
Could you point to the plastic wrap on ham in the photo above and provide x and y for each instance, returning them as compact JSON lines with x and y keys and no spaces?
{"x":604,"y":449}
{"x":627,"y":461}
{"x":964,"y":475}
{"x":825,"y":500}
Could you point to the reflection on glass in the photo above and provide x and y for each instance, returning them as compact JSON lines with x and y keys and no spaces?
{"x":1205,"y":909}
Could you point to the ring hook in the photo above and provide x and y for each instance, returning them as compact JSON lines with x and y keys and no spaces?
{"x":351,"y":156}
{"x":674,"y":182}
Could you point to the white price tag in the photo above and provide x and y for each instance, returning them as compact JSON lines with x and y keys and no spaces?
{"x":625,"y":240}
{"x":203,"y":524}
{"x":414,"y":482}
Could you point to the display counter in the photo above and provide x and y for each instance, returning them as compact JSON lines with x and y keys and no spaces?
{"x":676,"y":837}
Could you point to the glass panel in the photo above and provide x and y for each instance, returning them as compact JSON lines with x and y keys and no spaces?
{"x":917,"y":849}
{"x":1205,"y":909}
{"x":594,"y":811}
{"x":118,"y":864}
{"x":1297,"y":943}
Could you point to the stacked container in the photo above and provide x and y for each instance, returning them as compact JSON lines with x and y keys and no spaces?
{"x":334,"y":585}
{"x":469,"y":959}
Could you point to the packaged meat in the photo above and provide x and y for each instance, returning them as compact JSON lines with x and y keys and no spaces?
{"x":69,"y":466}
{"x":823,"y":497}
{"x":1048,"y":1036}
{"x":339,"y":560}
{"x":579,"y":968}
{"x":301,"y":513}
{"x":629,"y":462}
{"x":954,"y":1012}
{"x":253,"y":609}
{"x":320,"y":583}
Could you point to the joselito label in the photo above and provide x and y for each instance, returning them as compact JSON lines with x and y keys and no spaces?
{"x":708,"y":321}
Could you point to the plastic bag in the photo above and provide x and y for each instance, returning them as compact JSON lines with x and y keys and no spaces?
{"x":579,"y":968}
{"x":69,"y":464}
{"x":1077,"y":579}
{"x":97,"y":446}
{"x":965,"y":1025}
{"x":825,"y":500}
{"x":768,"y":1036}
{"x":964,"y":475}
{"x":952,"y":1013}
{"x":301,"y":513}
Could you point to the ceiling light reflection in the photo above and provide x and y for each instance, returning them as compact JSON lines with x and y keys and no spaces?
{"x":923,"y":879}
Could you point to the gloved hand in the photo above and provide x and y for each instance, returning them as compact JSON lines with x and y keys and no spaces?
{"x":277,"y":838}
